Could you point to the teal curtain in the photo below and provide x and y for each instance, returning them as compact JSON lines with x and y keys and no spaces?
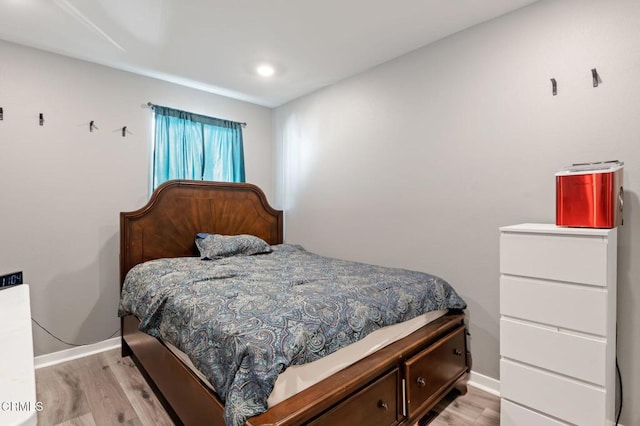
{"x":193,"y":146}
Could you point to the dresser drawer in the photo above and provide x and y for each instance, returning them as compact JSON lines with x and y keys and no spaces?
{"x":558,"y":396}
{"x":515,"y":415}
{"x":433,"y":369}
{"x":578,"y":259}
{"x":576,"y":356}
{"x":575,"y":307}
{"x":380,"y":398}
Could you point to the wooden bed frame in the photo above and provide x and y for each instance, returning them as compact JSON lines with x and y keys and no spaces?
{"x":396,"y":385}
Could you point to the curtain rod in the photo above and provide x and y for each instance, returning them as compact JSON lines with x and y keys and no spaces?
{"x":151,"y":105}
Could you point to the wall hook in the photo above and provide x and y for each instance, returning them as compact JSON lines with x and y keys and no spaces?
{"x":41,"y":119}
{"x":596,"y":77}
{"x":125,"y":131}
{"x":92,"y":126}
{"x":554,"y":87}
{"x":1,"y":114}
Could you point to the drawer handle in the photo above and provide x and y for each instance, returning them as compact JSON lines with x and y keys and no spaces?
{"x":421,"y":382}
{"x":457,"y":352}
{"x":383,"y":405}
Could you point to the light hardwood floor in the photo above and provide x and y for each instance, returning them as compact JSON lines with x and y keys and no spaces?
{"x":105,"y":389}
{"x":101,"y":389}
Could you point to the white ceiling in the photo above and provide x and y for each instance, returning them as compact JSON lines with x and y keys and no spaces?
{"x":214,"y":45}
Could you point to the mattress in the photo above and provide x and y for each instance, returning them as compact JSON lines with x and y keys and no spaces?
{"x":297,"y":378}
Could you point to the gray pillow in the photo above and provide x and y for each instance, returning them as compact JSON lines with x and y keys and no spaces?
{"x":215,"y":246}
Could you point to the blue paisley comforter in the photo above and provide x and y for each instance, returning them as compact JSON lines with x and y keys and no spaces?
{"x":242,"y":320}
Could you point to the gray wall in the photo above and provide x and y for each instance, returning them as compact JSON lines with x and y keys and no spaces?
{"x":62,"y":188}
{"x":416,"y":163}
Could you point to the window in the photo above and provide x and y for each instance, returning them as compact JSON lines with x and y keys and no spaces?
{"x":193,"y":146}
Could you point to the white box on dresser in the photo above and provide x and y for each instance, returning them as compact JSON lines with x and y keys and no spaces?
{"x":557,"y":325}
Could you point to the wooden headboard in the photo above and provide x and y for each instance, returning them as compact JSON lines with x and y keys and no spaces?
{"x":179,"y":209}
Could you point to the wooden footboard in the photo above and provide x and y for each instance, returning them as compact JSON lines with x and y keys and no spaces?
{"x":396,"y":385}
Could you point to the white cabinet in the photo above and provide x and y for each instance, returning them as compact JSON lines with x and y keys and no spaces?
{"x":18,"y":405}
{"x":557,"y":325}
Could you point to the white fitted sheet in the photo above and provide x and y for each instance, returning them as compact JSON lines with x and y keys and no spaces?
{"x":296,"y":378}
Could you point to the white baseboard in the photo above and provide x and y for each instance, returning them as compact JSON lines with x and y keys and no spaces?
{"x":485,"y":383}
{"x":75,"y":353}
{"x":477,"y":380}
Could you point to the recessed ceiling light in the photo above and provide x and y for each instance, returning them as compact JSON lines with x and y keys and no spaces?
{"x":265,"y":70}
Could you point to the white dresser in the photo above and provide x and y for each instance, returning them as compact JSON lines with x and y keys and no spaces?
{"x":18,"y":405}
{"x":557,"y":325}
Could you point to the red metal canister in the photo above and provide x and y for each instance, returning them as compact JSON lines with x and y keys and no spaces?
{"x":590,"y":195}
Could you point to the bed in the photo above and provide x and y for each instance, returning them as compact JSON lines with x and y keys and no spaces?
{"x":397,"y":384}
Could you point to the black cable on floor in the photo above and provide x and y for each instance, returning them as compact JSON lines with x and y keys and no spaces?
{"x":67,"y":343}
{"x":620,"y":380}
